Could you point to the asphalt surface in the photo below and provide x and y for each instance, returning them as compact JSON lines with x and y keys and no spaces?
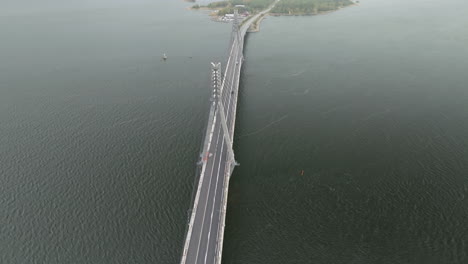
{"x":206,"y":228}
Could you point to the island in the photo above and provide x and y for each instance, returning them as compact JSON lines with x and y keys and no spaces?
{"x":223,"y":10}
{"x":308,"y":7}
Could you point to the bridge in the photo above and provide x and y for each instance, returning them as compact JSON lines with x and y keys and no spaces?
{"x":204,"y":238}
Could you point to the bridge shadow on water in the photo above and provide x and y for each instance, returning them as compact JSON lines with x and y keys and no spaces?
{"x":240,"y":96}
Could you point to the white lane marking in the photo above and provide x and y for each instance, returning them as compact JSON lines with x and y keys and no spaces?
{"x":226,"y":186}
{"x":220,"y":160}
{"x":217,"y":178}
{"x":214,"y":199}
{"x":204,"y":166}
{"x":207,"y":196}
{"x":231,"y":79}
{"x":224,"y":78}
{"x":238,"y":79}
{"x":197,"y":196}
{"x":198,"y":191}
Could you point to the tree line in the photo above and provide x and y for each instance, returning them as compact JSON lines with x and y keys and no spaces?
{"x":227,"y":7}
{"x":282,"y":7}
{"x":308,"y":6}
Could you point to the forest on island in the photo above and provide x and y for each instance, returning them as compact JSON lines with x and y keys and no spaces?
{"x":252,"y":6}
{"x":308,"y":7}
{"x":291,"y":7}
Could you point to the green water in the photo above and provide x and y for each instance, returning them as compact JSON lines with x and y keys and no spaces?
{"x":351,"y":133}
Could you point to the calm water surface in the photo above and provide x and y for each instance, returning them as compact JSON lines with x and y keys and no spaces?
{"x":371,"y":104}
{"x":352,"y":133}
{"x":98,"y":136}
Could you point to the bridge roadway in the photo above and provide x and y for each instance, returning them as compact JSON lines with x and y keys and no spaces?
{"x":204,"y":239}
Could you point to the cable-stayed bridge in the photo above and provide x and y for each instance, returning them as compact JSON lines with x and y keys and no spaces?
{"x":204,"y":238}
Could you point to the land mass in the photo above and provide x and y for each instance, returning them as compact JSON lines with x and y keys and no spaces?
{"x":308,"y":7}
{"x":283,"y":7}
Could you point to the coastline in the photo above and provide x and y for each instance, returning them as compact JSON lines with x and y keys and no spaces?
{"x":212,"y":12}
{"x":312,"y":14}
{"x":255,"y":27}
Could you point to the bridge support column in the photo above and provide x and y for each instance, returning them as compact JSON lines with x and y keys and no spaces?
{"x":227,"y":138}
{"x":216,"y":79}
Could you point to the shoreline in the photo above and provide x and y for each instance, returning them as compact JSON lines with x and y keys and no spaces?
{"x":212,"y":11}
{"x":255,"y":27}
{"x":312,"y":14}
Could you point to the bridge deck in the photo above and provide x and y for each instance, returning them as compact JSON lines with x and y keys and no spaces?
{"x":207,"y":214}
{"x":204,"y":239}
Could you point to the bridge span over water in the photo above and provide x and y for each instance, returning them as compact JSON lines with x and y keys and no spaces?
{"x":204,"y":238}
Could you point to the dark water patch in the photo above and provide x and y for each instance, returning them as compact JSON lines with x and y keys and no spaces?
{"x":369,"y":166}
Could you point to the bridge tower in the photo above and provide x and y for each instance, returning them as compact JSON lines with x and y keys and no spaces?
{"x":218,"y":102}
{"x":235,"y":23}
{"x":235,"y":33}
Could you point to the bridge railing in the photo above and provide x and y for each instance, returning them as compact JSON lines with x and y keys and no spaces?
{"x":200,"y":172}
{"x":237,"y":42}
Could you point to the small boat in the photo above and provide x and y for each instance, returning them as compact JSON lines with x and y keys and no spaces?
{"x":164,"y":57}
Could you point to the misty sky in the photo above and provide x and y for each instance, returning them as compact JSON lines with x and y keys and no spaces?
{"x":9,"y":7}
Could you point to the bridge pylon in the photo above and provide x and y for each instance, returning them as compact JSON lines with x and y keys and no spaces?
{"x":217,"y":97}
{"x":235,"y":23}
{"x":205,"y":232}
{"x":235,"y":33}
